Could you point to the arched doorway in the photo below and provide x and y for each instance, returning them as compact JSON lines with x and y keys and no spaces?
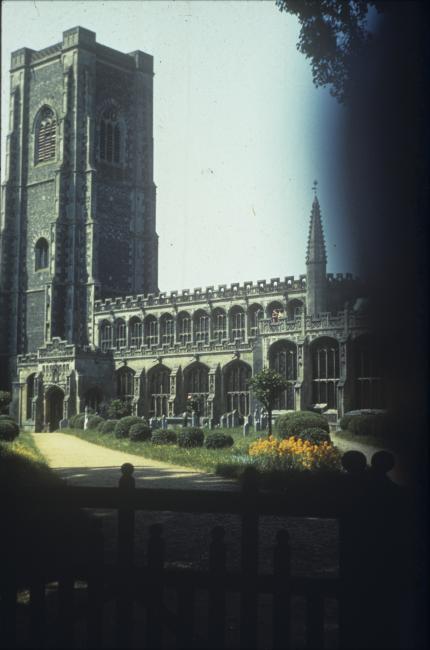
{"x":54,"y":407}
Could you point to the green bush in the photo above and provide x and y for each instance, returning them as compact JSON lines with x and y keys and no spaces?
{"x":191,"y":437}
{"x":79,"y":421}
{"x":315,"y":435}
{"x":218,"y":441}
{"x":122,"y":427}
{"x":7,"y":417}
{"x":292,"y":424}
{"x":94,"y":421}
{"x":368,"y":425}
{"x":140,"y":431}
{"x":107,"y":426}
{"x":345,"y":420}
{"x":9,"y":430}
{"x":164,"y":437}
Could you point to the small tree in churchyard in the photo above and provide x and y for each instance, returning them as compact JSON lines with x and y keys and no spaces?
{"x":118,"y":409}
{"x":267,"y":385}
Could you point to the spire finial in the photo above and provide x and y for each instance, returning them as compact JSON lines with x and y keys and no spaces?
{"x":315,"y":187}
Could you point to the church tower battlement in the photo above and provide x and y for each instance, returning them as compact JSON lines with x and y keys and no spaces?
{"x":79,"y":192}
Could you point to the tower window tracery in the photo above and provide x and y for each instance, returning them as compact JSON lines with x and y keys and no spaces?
{"x":46,"y":133}
{"x":110,"y":137}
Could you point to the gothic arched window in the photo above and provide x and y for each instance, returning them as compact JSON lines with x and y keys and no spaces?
{"x":110,"y":136}
{"x":196,"y":377}
{"x":219,"y":320}
{"x":120,"y":334}
{"x":368,"y":364}
{"x":237,"y":324}
{"x":236,"y":378}
{"x":325,"y":371}
{"x":41,"y":254}
{"x":125,"y":383}
{"x":283,"y":359}
{"x":136,"y":332}
{"x":159,"y":390}
{"x":46,"y":133}
{"x":201,"y":327}
{"x":106,"y":338}
{"x":184,"y":328}
{"x":151,"y":330}
{"x":256,"y":313}
{"x":166,"y":326}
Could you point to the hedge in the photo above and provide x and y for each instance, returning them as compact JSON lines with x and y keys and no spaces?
{"x":218,"y":441}
{"x":316,"y":435}
{"x":107,"y":426}
{"x":292,"y":424}
{"x":164,"y":437}
{"x":191,"y":437}
{"x":9,"y":430}
{"x":94,"y":421}
{"x":140,"y":431}
{"x":122,"y":427}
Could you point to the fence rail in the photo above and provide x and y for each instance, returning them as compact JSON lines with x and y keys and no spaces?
{"x":356,"y":499}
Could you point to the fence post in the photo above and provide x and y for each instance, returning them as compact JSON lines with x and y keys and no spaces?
{"x":249,"y":595}
{"x":217,"y":589}
{"x":281,"y":590}
{"x":95,"y":587}
{"x":314,"y":620}
{"x":125,"y":557}
{"x":154,"y":587}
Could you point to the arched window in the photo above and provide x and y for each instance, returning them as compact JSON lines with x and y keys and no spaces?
{"x":46,"y":131}
{"x":120,"y":334}
{"x":275,"y":311}
{"x":196,"y":384}
{"x":236,"y":377}
{"x":237,"y":324}
{"x":136,"y":332}
{"x":184,"y":328}
{"x":93,"y":399}
{"x":159,"y":390}
{"x":106,"y":338}
{"x":151,"y":330}
{"x":110,"y":137}
{"x":125,"y":384}
{"x":41,"y":254}
{"x":325,"y":371}
{"x":294,"y":309}
{"x":166,"y":329}
{"x":368,"y":373}
{"x":283,"y":359}
{"x":219,"y":320}
{"x":201,"y":327}
{"x":256,"y":313}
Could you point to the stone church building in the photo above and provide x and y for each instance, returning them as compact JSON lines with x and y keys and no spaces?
{"x":82,"y":318}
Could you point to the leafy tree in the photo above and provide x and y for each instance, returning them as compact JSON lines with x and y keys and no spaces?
{"x":5,"y":398}
{"x":267,"y":386}
{"x":118,"y":409}
{"x":333,"y":33}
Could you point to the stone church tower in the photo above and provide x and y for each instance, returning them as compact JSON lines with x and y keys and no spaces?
{"x":316,"y":264}
{"x":78,"y":204}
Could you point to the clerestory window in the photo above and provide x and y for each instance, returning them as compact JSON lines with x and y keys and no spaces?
{"x":46,"y":133}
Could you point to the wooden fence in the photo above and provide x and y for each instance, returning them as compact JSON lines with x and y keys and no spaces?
{"x":364,"y":501}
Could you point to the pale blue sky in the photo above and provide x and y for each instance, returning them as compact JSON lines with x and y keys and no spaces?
{"x":240,"y":132}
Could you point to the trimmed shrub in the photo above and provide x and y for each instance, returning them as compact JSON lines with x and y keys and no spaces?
{"x":140,"y":431}
{"x":107,"y":426}
{"x":218,"y":441}
{"x":79,"y":421}
{"x":314,"y":435}
{"x":9,"y":430}
{"x":191,"y":437}
{"x":291,"y":424}
{"x":7,"y":417}
{"x":164,"y":437}
{"x":366,"y":425}
{"x":122,"y":427}
{"x":344,"y":421}
{"x":94,"y":421}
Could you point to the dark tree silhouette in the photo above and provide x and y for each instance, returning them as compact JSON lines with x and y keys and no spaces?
{"x":333,"y":33}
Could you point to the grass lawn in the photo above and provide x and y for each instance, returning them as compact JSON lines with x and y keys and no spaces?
{"x":208,"y":460}
{"x":21,"y":463}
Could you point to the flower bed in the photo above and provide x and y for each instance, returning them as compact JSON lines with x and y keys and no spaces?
{"x":294,"y":454}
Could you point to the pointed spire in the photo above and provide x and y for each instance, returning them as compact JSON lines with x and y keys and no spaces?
{"x":316,"y":245}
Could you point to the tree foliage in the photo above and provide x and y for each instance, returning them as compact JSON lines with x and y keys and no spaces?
{"x":267,"y":385}
{"x":333,"y":33}
{"x":5,"y":398}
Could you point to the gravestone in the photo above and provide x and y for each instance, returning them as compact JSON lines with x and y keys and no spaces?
{"x":246,"y":429}
{"x":86,"y":419}
{"x":64,"y":424}
{"x":194,"y":419}
{"x":224,"y":421}
{"x":153,"y":423}
{"x":257,"y":425}
{"x":164,"y":422}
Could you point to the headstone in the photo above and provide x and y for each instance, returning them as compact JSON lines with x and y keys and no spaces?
{"x":211,"y":423}
{"x":153,"y":423}
{"x":185,"y":419}
{"x":86,"y":419}
{"x":248,"y":420}
{"x":235,"y":418}
{"x":164,"y":422}
{"x":64,"y":423}
{"x":257,"y":425}
{"x":246,"y":429}
{"x":194,"y":419}
{"x":223,"y":421}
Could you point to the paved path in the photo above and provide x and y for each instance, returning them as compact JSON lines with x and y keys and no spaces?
{"x":83,"y":463}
